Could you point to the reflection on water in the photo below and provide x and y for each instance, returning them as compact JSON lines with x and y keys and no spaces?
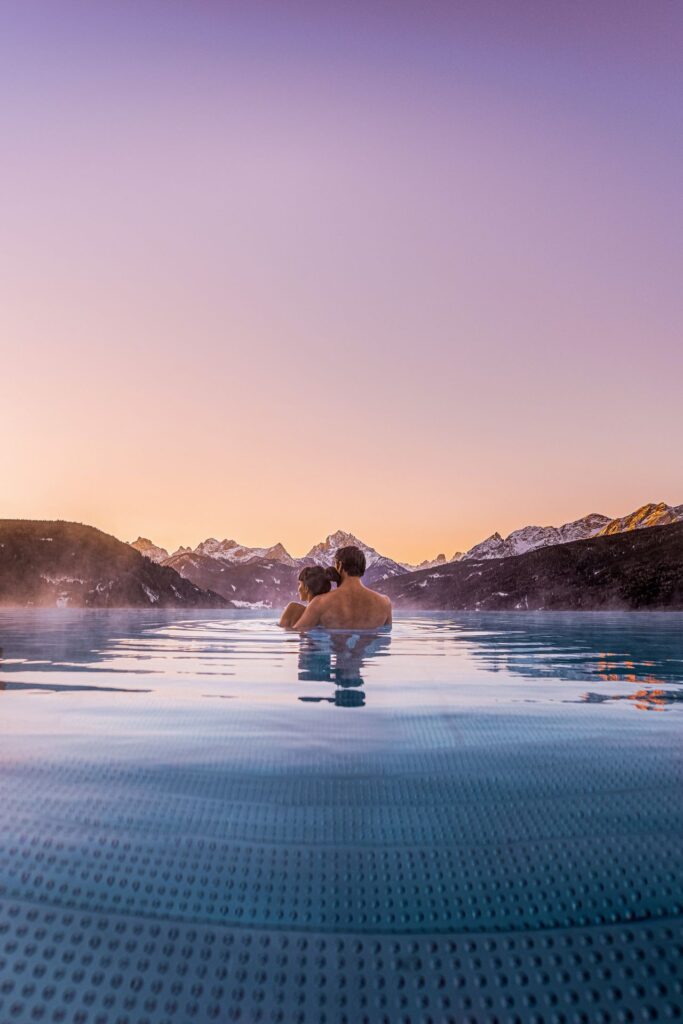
{"x":428,"y":659}
{"x":643,"y":700}
{"x":339,"y":658}
{"x":644,"y":649}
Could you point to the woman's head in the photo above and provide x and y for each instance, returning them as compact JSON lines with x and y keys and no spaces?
{"x":315,"y":580}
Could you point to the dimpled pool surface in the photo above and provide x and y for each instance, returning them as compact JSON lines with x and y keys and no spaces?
{"x":471,"y":818}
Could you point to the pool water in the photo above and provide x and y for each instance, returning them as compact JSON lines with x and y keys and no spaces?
{"x":471,"y":818}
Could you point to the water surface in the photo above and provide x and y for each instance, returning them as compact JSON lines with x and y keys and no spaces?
{"x":471,"y":817}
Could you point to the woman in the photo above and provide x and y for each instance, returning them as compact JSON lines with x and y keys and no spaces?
{"x":313,"y":580}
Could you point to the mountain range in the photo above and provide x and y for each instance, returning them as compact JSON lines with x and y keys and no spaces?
{"x":627,"y":570}
{"x":260,"y":577}
{"x":593,"y":562}
{"x":593,"y":525}
{"x":266,"y":577}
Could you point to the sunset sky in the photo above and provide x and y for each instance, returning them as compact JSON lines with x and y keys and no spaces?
{"x":273,"y":269}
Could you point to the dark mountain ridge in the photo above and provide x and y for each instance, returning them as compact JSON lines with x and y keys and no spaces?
{"x":255,"y":582}
{"x":56,"y":563}
{"x":640,"y":569}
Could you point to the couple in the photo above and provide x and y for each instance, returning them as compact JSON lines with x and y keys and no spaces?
{"x":350,"y":606}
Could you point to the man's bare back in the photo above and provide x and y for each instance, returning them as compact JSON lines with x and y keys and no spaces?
{"x":350,"y":606}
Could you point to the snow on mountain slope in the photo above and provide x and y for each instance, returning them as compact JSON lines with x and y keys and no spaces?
{"x":433,"y":563}
{"x":636,"y":569}
{"x":529,"y":538}
{"x":493,"y":547}
{"x":581,"y":529}
{"x":278,"y":553}
{"x":268,"y":574}
{"x":379,"y":567}
{"x":231,"y":551}
{"x":652,"y":514}
{"x":427,"y":564}
{"x":323,"y":553}
{"x":216,"y":548}
{"x":253,"y":582}
{"x":150,"y":550}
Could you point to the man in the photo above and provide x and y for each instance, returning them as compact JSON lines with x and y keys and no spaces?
{"x":352,"y":605}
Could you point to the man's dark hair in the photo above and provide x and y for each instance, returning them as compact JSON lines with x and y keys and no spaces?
{"x":351,"y":559}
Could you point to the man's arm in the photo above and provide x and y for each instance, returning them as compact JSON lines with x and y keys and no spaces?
{"x":311,"y":617}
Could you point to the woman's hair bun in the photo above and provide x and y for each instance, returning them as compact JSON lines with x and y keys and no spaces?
{"x":318,"y":579}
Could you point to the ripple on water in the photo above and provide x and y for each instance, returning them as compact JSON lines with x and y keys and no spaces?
{"x":474,"y":815}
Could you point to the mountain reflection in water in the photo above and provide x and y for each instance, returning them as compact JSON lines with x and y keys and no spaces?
{"x":643,"y":700}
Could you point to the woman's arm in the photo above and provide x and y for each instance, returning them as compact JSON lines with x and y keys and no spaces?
{"x":291,"y":615}
{"x":311,"y":615}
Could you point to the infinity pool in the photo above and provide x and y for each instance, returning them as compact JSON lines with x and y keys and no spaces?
{"x":472,"y":818}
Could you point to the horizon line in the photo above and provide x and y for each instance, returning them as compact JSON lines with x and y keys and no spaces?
{"x":210,"y":536}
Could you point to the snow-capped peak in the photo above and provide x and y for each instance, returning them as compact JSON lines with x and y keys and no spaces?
{"x":279,"y":553}
{"x":652,"y":514}
{"x":434,"y":563}
{"x":231,"y":551}
{"x":152,"y":551}
{"x":215,"y":548}
{"x":378,"y":567}
{"x":528,"y":538}
{"x":489,"y":548}
{"x":323,"y":553}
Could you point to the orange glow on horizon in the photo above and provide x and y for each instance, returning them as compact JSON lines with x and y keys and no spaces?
{"x":267,"y":276}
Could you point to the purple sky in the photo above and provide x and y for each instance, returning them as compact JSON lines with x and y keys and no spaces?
{"x":271,"y":269}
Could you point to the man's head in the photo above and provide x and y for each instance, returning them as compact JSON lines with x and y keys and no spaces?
{"x":350,"y":561}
